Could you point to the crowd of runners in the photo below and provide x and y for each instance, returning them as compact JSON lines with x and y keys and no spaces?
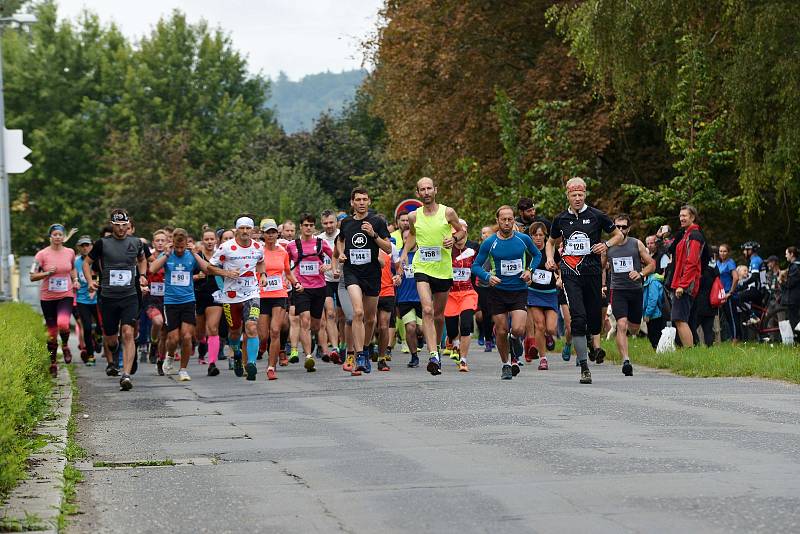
{"x":350,"y":293}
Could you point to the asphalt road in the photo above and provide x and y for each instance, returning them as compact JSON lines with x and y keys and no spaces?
{"x":404,"y":451}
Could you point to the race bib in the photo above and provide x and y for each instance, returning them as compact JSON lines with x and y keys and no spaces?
{"x":578,"y":246}
{"x":157,"y":289}
{"x":461,"y":274}
{"x":120,"y":277}
{"x":273,"y":283}
{"x":180,"y":278}
{"x":430,"y":254}
{"x":622,"y":265}
{"x":360,"y":256}
{"x":309,"y":268}
{"x":58,"y":284}
{"x":510,"y":267}
{"x":542,"y":277}
{"x":247,"y":283}
{"x":408,"y":271}
{"x":81,"y":277}
{"x":217,"y":295}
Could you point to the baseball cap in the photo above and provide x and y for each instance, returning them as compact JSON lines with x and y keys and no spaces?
{"x":268,"y":224}
{"x":84,"y":240}
{"x":119,"y":217}
{"x":773,"y":258}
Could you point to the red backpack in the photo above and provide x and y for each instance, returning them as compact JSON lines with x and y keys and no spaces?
{"x":717,"y":297}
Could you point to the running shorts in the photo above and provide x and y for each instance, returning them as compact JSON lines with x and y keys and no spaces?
{"x":114,"y":312}
{"x":177,"y":314}
{"x":459,"y":301}
{"x":267,"y":304}
{"x":410,"y":312}
{"x":501,"y":302}
{"x":311,"y":299}
{"x":236,"y":313}
{"x":438,"y":285}
{"x":627,"y":303}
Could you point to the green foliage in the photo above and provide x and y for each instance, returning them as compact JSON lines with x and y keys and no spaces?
{"x":299,"y":104}
{"x":25,"y":386}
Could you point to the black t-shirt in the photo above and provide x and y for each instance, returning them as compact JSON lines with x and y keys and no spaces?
{"x":118,"y":259}
{"x":579,"y":233}
{"x":362,"y":250}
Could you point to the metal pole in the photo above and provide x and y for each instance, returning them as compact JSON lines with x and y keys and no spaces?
{"x":5,"y":212}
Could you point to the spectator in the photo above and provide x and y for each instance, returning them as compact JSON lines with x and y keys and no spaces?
{"x":790,"y":294}
{"x":653,"y":306}
{"x":704,"y":313}
{"x":731,"y":329}
{"x":658,"y":250}
{"x":686,"y":251}
{"x":526,"y":215}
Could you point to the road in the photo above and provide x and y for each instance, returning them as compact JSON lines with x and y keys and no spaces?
{"x":404,"y":451}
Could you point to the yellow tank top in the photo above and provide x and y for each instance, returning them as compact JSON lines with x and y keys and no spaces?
{"x":431,"y":257}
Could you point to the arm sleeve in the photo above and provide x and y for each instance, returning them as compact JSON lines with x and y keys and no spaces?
{"x":483,"y":253}
{"x":97,"y":250}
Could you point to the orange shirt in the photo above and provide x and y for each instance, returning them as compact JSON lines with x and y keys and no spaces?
{"x":387,"y":284}
{"x":276,"y":263}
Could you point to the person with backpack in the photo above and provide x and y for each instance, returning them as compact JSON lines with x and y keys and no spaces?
{"x":687,"y":251}
{"x":790,"y":289}
{"x":706,"y":308}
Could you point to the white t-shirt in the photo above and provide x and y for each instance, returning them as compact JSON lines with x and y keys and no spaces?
{"x":329,"y":276}
{"x":232,"y":256}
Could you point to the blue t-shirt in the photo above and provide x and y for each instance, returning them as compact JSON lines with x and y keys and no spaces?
{"x":509,"y":260}
{"x":178,"y":281}
{"x":725,"y":269}
{"x":83,"y":287}
{"x":407,"y":290}
{"x":756,"y":263}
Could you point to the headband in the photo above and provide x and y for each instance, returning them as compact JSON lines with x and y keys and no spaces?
{"x":54,"y":227}
{"x":576,"y":187}
{"x":244,"y":221}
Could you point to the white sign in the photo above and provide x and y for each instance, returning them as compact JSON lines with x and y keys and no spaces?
{"x":14,"y":152}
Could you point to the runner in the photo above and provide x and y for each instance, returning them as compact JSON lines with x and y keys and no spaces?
{"x":390,"y":277}
{"x":526,"y":210}
{"x":154,"y":307}
{"x":308,"y":255}
{"x":408,"y":306}
{"x":54,"y":267}
{"x":209,"y":310}
{"x":329,"y":329}
{"x":223,"y":235}
{"x":579,"y":229}
{"x":459,"y":314}
{"x":179,"y":265}
{"x":630,"y":264}
{"x":87,"y":305}
{"x":484,"y":316}
{"x":360,"y":237}
{"x":238,"y":260}
{"x":508,"y":281}
{"x":542,"y":297}
{"x":433,"y":229}
{"x":119,"y":258}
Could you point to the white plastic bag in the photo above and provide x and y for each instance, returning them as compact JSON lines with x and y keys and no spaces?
{"x":667,"y":341}
{"x":787,"y":336}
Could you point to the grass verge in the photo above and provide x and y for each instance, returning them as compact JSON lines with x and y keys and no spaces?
{"x":140,"y":463}
{"x":73,"y":452}
{"x":762,"y":360}
{"x":25,"y":387}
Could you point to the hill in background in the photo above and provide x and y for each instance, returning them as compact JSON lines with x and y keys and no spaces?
{"x":298,"y":104}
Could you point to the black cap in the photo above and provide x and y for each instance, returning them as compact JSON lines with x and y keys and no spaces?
{"x":119,"y":217}
{"x":773,"y":258}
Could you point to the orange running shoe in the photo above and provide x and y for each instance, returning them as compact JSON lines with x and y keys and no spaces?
{"x":271,"y":375}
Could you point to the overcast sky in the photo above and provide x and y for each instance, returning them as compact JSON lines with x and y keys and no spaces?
{"x":298,"y":37}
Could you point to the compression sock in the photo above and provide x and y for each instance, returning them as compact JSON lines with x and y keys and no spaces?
{"x":213,"y":348}
{"x":52,"y":348}
{"x":202,"y":346}
{"x":580,"y":348}
{"x":235,"y":344}
{"x":252,"y":349}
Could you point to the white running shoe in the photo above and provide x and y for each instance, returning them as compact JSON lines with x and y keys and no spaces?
{"x":183,"y":376}
{"x":169,"y":367}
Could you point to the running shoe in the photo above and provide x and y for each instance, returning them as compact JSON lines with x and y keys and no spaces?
{"x":586,"y":377}
{"x":549,"y":342}
{"x":388,"y":354}
{"x":455,"y":355}
{"x":349,"y":363}
{"x":506,"y":373}
{"x":627,"y":368}
{"x":592,"y":354}
{"x":448,"y":349}
{"x":238,"y":368}
{"x":514,"y":367}
{"x":326,"y":357}
{"x":271,"y":374}
{"x":283,"y":361}
{"x":335,"y":358}
{"x":183,"y":376}
{"x":355,"y":372}
{"x":566,"y":352}
{"x":294,"y":356}
{"x":111,"y":370}
{"x":309,"y":364}
{"x":543,"y":364}
{"x":91,"y":362}
{"x":367,"y":364}
{"x":414,"y":361}
{"x":383,"y":366}
{"x":404,"y":348}
{"x":435,"y":365}
{"x":84,"y":356}
{"x":462,"y":366}
{"x":54,"y":370}
{"x":159,"y":368}
{"x":361,"y":361}
{"x":480,"y":341}
{"x":212,"y":369}
{"x":515,"y":345}
{"x":600,"y":356}
{"x":251,"y":370}
{"x":67,"y":355}
{"x":168,"y":361}
{"x":125,"y":383}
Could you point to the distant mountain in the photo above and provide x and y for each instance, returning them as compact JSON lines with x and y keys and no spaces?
{"x":297,"y":104}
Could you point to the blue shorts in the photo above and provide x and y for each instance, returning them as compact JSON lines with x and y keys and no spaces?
{"x":541,"y":299}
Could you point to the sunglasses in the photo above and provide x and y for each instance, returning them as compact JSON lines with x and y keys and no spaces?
{"x":622,"y":226}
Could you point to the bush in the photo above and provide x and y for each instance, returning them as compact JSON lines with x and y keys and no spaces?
{"x":25,"y":386}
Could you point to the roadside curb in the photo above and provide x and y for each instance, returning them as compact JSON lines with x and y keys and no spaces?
{"x":36,"y":502}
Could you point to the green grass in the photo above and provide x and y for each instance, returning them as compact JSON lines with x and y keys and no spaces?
{"x":25,"y":387}
{"x":775,"y":361}
{"x":140,"y":463}
{"x":73,"y":451}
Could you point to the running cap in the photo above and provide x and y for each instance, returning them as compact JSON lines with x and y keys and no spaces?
{"x":119,"y":217}
{"x":84,"y":240}
{"x":462,"y":222}
{"x":268,"y":224}
{"x":244,"y":221}
{"x":54,"y":227}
